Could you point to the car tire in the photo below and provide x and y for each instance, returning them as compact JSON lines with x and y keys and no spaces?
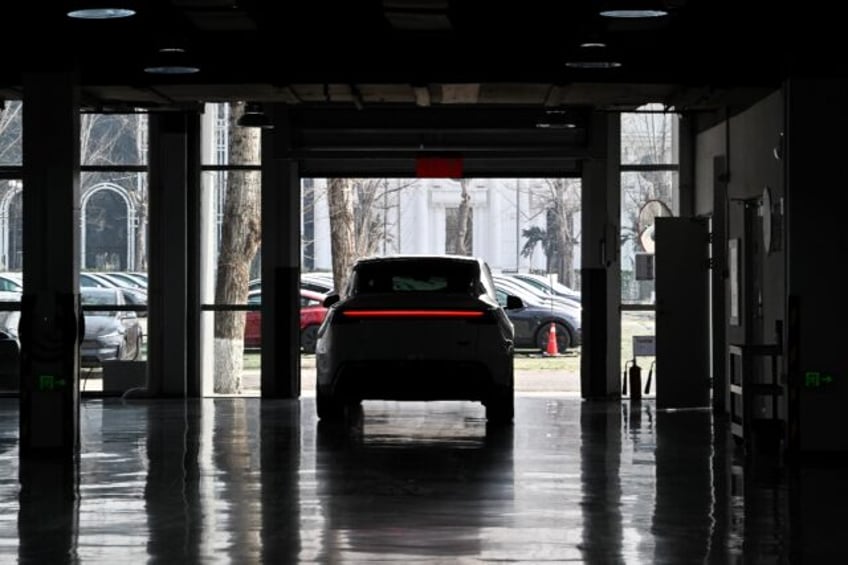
{"x":328,"y":407}
{"x":562,"y":334}
{"x":500,"y":408}
{"x":308,"y":338}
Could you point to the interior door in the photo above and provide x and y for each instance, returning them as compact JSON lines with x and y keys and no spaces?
{"x":682,"y":327}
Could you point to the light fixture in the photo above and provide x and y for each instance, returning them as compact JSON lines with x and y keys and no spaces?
{"x":254,"y":117}
{"x":633,"y":9}
{"x":101,"y":10}
{"x":593,"y":64}
{"x":593,"y":45}
{"x":556,"y":118}
{"x":172,"y":61}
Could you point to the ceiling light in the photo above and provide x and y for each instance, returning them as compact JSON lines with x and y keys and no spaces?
{"x":172,"y":61}
{"x":593,"y":45}
{"x":633,"y":9}
{"x":254,"y":117}
{"x":547,"y":125}
{"x":101,"y":10}
{"x":593,"y":64}
{"x":634,"y":13}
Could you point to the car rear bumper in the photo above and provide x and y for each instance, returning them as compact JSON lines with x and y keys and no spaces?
{"x":416,"y":380}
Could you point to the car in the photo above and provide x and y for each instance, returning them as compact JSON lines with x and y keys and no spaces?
{"x":11,"y":282}
{"x":548,"y":285}
{"x":110,"y":334}
{"x":10,"y":345}
{"x":312,"y":313}
{"x":532,"y":321}
{"x":416,"y":327}
{"x":522,"y":288}
{"x":318,"y":282}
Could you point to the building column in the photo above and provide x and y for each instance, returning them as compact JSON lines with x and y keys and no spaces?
{"x":51,"y":316}
{"x":174,"y":158}
{"x":601,"y":262}
{"x":281,"y":199}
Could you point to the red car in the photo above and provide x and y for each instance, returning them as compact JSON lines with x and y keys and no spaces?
{"x":312,"y":313}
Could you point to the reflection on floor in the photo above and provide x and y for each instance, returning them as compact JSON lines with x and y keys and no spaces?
{"x":246,"y":481}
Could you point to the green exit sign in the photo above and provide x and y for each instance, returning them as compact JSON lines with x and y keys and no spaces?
{"x":49,"y":382}
{"x":815,"y":379}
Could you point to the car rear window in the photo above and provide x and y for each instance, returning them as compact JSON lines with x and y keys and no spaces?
{"x":417,"y":276}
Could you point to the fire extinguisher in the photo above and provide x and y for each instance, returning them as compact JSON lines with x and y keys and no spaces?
{"x":635,"y":376}
{"x":650,"y":374}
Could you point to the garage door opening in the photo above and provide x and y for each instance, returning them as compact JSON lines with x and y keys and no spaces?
{"x":527,"y":230}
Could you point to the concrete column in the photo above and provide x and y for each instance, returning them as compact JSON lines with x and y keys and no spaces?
{"x":280,"y":263}
{"x":51,"y":315}
{"x":173,"y":146}
{"x":600,"y":255}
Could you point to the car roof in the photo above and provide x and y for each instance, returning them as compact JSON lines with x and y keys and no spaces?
{"x":422,"y":257}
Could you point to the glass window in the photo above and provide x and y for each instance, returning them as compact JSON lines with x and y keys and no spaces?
{"x":639,"y":323}
{"x":11,"y":149}
{"x":113,"y":216}
{"x":649,"y":137}
{"x":113,"y":139}
{"x":645,"y":196}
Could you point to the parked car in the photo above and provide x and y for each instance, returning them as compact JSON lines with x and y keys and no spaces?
{"x":548,"y":285}
{"x":11,"y":282}
{"x":520,"y":287}
{"x":532,"y":321}
{"x":317,"y":282}
{"x":416,"y":328}
{"x":110,"y":334}
{"x":312,"y":313}
{"x":10,"y":347}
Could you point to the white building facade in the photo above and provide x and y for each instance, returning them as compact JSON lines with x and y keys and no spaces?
{"x":416,"y":215}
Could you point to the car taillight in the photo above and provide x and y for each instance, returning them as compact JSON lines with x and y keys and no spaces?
{"x":431,"y":314}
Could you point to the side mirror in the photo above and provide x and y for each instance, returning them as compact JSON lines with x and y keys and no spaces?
{"x":513,"y":302}
{"x":331,"y":299}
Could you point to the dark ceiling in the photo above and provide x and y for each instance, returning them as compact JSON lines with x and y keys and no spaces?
{"x":704,"y":54}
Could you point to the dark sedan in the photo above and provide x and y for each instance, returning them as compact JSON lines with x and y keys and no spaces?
{"x":532,"y":322}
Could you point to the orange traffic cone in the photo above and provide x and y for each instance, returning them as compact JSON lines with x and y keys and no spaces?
{"x":552,"y":341}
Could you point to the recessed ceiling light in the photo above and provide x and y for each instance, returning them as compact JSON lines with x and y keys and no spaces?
{"x":101,"y":13}
{"x":592,"y":44}
{"x":593,"y":64}
{"x":634,"y":13}
{"x":546,"y":125}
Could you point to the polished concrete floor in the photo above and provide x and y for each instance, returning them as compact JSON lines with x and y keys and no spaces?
{"x":244,"y":480}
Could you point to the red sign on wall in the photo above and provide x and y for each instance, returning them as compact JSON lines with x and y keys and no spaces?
{"x":438,"y":167}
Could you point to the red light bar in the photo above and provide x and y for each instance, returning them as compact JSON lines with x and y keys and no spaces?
{"x":412,"y":313}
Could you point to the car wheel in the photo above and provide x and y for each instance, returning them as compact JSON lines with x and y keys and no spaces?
{"x":328,"y":407}
{"x":308,"y":337}
{"x":563,"y":337}
{"x":500,"y":408}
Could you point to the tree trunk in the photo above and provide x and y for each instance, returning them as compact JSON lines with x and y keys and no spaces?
{"x":342,"y":237}
{"x":240,"y":238}
{"x":567,"y":276}
{"x":463,"y":237}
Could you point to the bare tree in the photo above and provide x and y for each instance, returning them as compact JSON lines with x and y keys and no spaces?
{"x":342,"y":230}
{"x":560,"y":202}
{"x":240,"y":239}
{"x":647,"y":140}
{"x":463,"y":236}
{"x":359,"y":219}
